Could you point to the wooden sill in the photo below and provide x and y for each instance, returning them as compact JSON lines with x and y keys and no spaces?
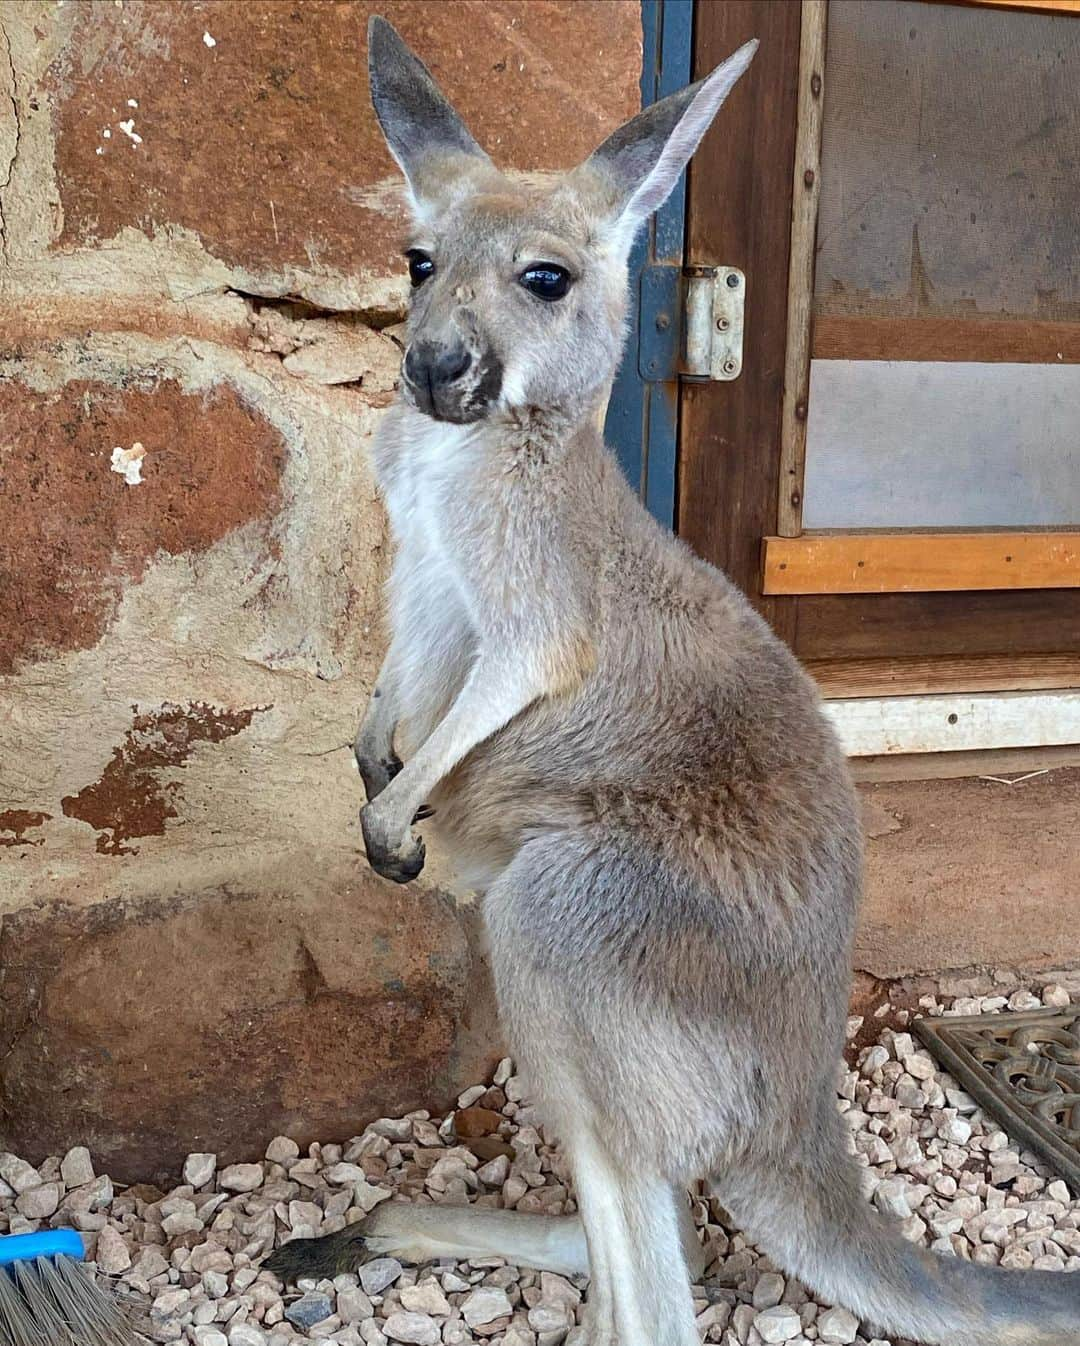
{"x":910,"y":562}
{"x":1013,"y":764}
{"x":1036,"y":6}
{"x":922,"y":677}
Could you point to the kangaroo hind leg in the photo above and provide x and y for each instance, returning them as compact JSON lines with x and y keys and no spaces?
{"x":640,"y":1236}
{"x":561,"y":982}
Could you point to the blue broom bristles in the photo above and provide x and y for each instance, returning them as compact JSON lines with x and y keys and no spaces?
{"x":47,"y":1298}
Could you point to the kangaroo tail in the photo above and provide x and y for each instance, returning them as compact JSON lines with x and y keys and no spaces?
{"x":809,"y":1214}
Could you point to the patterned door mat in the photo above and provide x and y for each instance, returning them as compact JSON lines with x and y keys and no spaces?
{"x":1024,"y":1069}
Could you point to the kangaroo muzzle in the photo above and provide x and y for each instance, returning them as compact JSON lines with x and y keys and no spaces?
{"x":451,"y":381}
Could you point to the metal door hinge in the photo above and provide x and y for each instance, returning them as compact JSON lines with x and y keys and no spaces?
{"x":691,"y":323}
{"x":714,"y":323}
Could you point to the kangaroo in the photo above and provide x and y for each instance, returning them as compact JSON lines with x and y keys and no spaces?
{"x":628,"y":764}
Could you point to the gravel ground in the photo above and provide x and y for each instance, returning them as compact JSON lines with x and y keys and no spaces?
{"x":930,"y":1157}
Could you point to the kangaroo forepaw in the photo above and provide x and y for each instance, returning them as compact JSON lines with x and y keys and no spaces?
{"x":401,"y":862}
{"x":376,"y":772}
{"x":402,"y":865}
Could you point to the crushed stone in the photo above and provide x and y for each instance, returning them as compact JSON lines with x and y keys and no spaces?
{"x":929,"y":1156}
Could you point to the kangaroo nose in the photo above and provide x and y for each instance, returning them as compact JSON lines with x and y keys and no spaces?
{"x":435,"y":366}
{"x":450,"y":365}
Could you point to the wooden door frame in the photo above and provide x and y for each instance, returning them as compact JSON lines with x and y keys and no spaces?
{"x":739,"y":213}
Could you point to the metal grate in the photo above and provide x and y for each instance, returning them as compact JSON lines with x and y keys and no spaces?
{"x":1024,"y":1069}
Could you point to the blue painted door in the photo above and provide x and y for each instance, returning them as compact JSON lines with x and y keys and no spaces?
{"x":643,"y":414}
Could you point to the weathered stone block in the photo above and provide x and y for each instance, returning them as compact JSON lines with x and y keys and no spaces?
{"x":194,"y":955}
{"x":76,"y":529}
{"x":302,"y":996}
{"x":263,"y":143}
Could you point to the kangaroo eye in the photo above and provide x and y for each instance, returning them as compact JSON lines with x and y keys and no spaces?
{"x":546,"y":281}
{"x":420,"y":266}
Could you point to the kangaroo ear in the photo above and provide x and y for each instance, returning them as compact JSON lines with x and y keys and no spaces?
{"x":426,"y":136}
{"x":640,"y":163}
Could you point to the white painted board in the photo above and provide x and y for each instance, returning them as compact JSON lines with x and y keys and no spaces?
{"x":969,"y":722}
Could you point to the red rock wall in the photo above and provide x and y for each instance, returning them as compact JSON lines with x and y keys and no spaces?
{"x":198,"y":267}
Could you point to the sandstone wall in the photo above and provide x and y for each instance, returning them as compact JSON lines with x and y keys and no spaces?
{"x":199,"y":226}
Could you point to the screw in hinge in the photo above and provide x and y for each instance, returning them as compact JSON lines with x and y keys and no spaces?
{"x":732,"y":281}
{"x":722,"y":324}
{"x":663,"y":322}
{"x":730,"y":366}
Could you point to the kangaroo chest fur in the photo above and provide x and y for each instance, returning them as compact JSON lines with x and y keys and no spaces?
{"x":420,"y":465}
{"x":423,"y":466}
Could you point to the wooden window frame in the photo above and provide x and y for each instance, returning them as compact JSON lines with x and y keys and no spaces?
{"x":800,"y":562}
{"x":742,"y":445}
{"x":1036,"y":6}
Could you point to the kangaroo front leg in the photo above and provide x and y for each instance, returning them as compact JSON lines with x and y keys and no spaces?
{"x":494,"y":692}
{"x":374,"y":746}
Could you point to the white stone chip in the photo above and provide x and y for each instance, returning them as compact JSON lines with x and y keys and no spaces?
{"x":112,"y":1255}
{"x":367,"y":1196}
{"x":485,"y":1305}
{"x":377,"y":1275}
{"x":199,"y":1169}
{"x":283,"y":1151}
{"x":241,"y":1177}
{"x":426,"y":1297}
{"x":38,"y":1203}
{"x":417,"y":1328}
{"x":956,"y":1130}
{"x":246,"y":1334}
{"x":17,"y":1173}
{"x":837,"y":1326}
{"x":76,"y":1167}
{"x":778,"y":1324}
{"x":769,"y":1290}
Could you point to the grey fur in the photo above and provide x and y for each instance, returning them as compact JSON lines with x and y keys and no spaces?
{"x":417,"y":121}
{"x":637,"y":774}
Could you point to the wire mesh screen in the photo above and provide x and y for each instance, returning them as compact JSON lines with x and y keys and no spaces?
{"x":951,"y":162}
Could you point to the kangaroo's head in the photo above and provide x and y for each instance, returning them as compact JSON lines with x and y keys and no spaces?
{"x":519,"y":286}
